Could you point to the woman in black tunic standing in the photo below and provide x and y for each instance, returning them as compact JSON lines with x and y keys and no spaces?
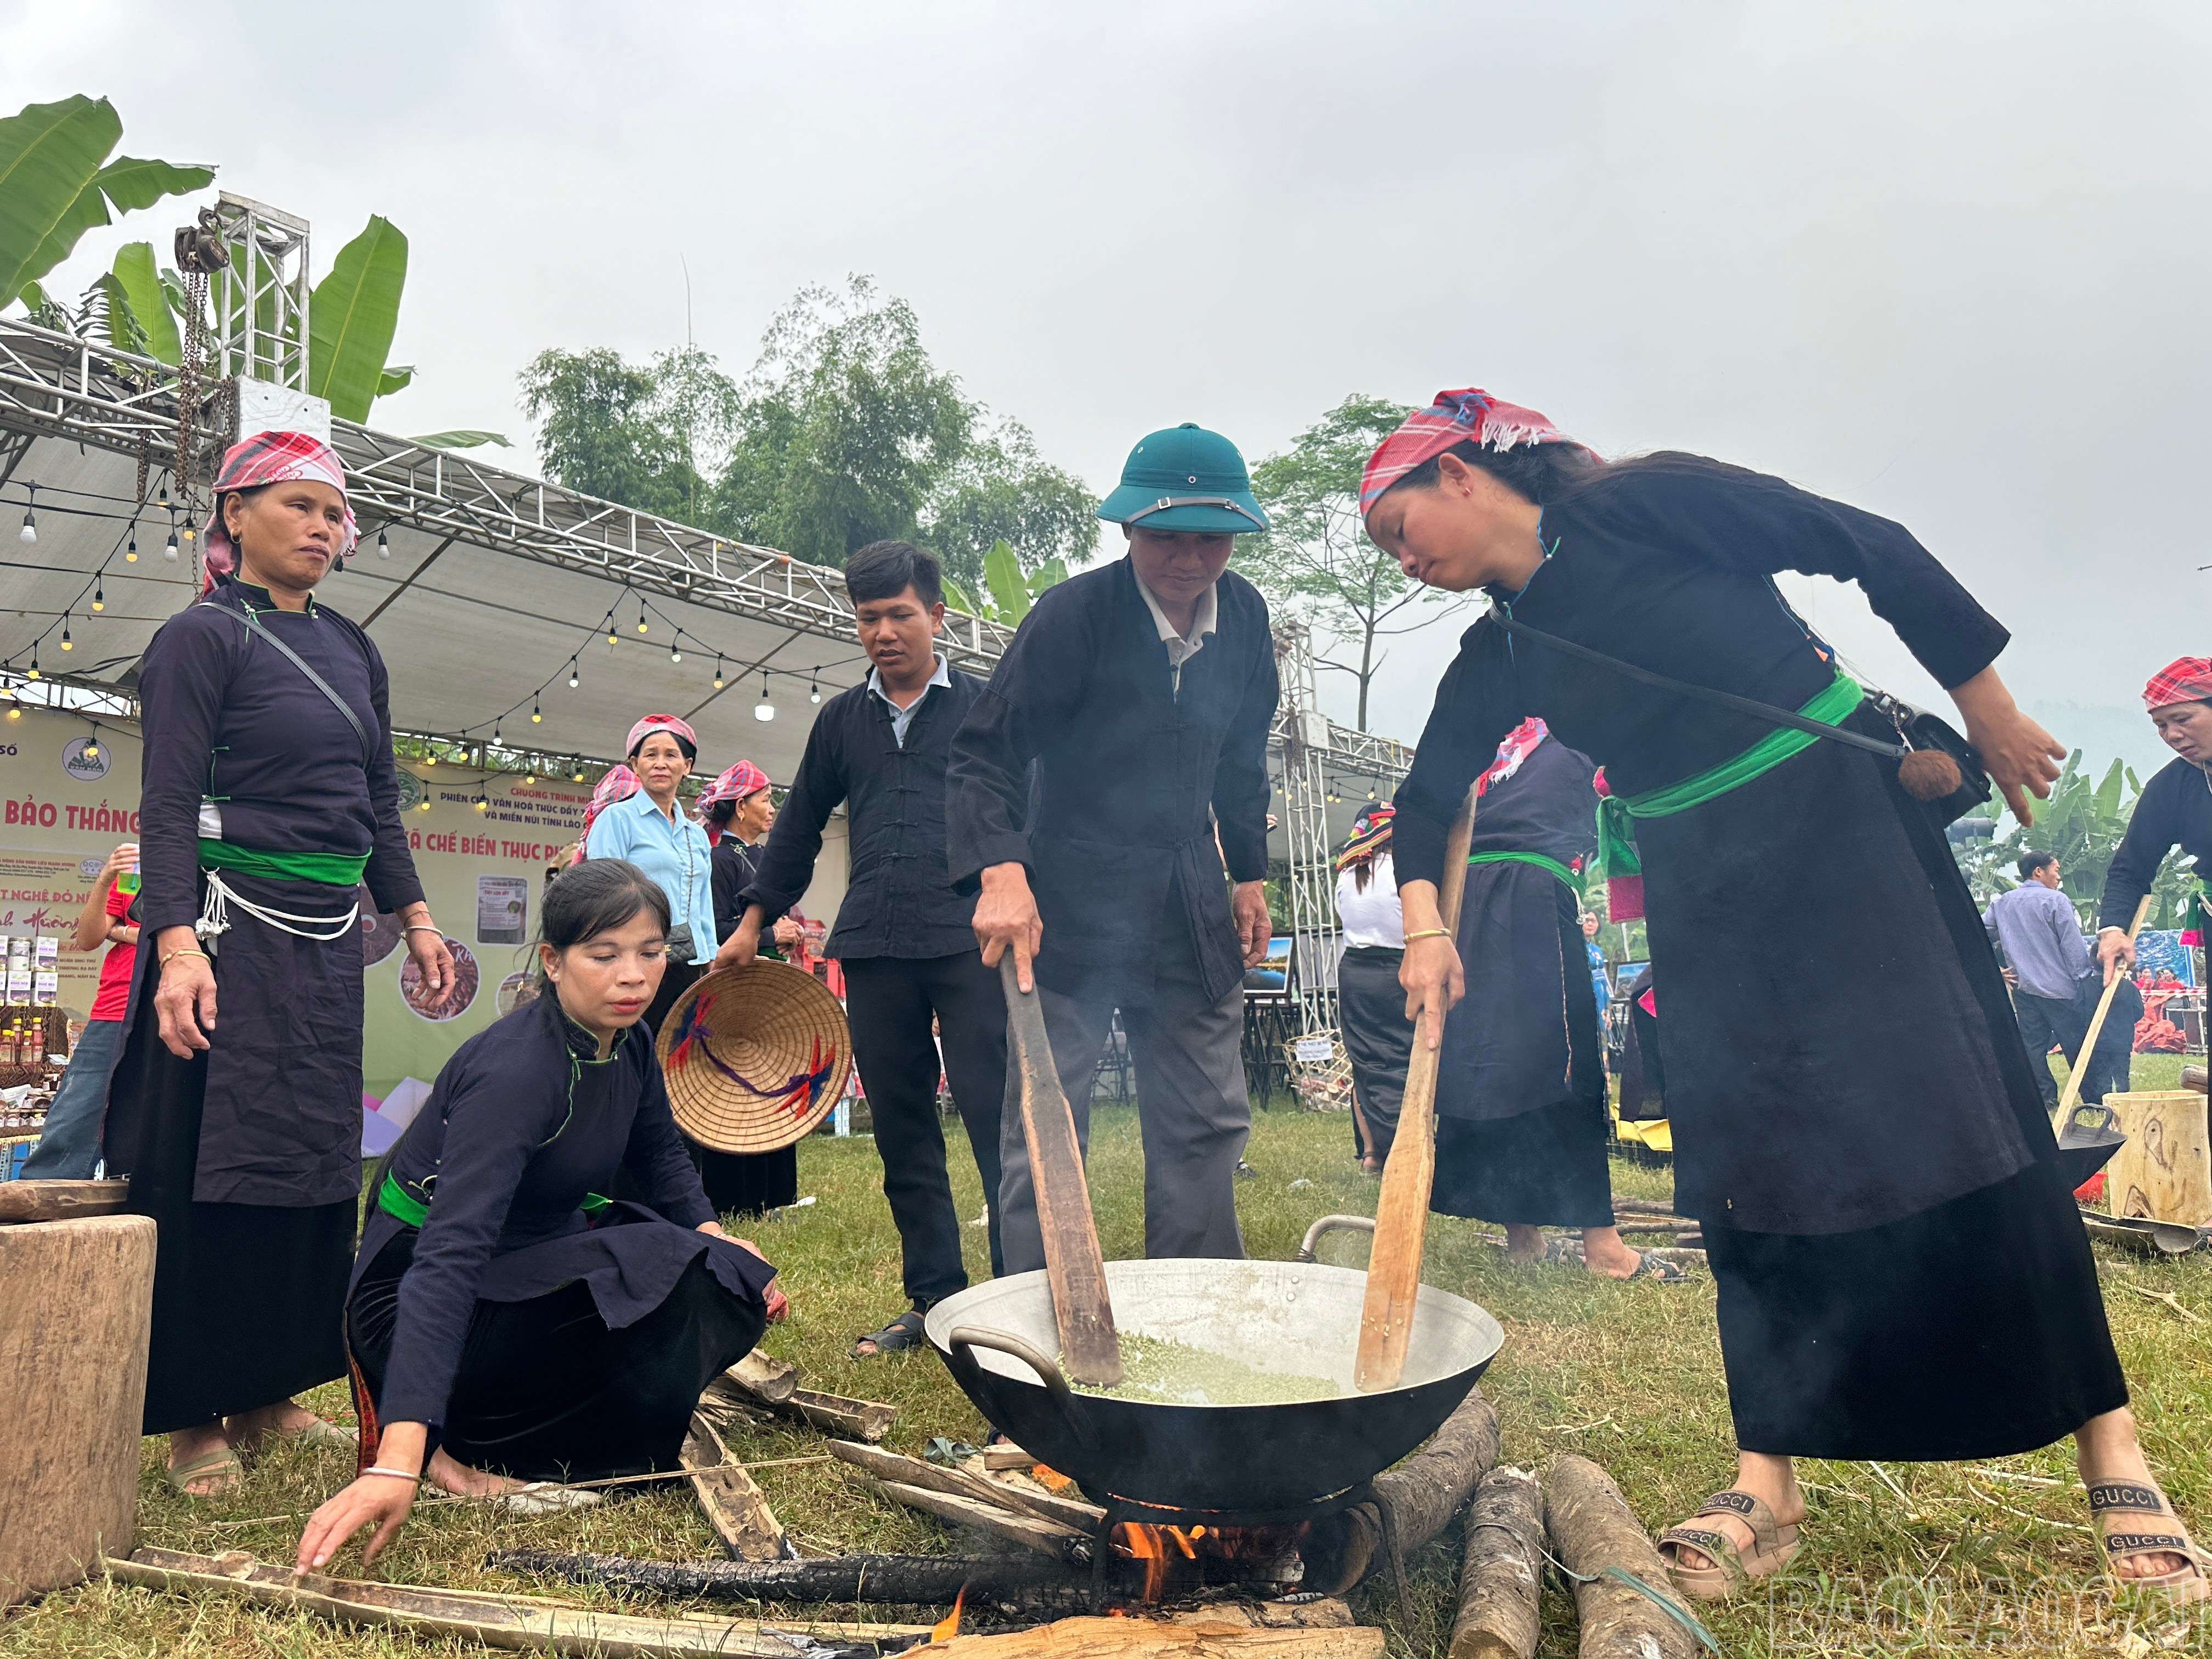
{"x":1521,"y":1095}
{"x":269,"y":798}
{"x":507,"y":1323}
{"x":1901,"y":1272}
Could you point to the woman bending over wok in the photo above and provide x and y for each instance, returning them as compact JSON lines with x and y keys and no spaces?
{"x":1901,"y":1272}
{"x":506,"y":1323}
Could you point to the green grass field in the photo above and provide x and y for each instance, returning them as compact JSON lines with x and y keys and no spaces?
{"x":1928,"y":1558}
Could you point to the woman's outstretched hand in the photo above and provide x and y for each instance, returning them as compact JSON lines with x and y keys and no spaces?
{"x":779,"y":1304}
{"x":2022,"y":758}
{"x":373,"y":1499}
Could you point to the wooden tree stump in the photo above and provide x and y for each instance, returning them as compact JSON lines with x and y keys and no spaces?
{"x":1424,"y":1495}
{"x":76,"y":1309}
{"x":1592,"y":1528}
{"x":1501,"y":1584}
{"x":2164,"y":1171}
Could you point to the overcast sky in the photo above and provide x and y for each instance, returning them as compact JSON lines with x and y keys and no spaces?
{"x":1946,"y":261}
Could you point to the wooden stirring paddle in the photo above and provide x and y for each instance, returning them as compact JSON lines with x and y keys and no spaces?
{"x":1402,"y":1216}
{"x":1088,"y":1346}
{"x":2080,"y":1069}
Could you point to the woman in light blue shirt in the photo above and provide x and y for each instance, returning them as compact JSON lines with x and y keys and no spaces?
{"x":654,"y":833}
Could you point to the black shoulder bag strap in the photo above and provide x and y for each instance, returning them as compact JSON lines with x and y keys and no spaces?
{"x":1765,"y":711}
{"x":254,"y":629}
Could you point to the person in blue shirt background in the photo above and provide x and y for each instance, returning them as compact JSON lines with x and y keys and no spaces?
{"x":651,"y":831}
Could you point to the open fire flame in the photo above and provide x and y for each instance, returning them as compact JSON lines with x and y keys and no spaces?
{"x":1162,"y":1549}
{"x":949,"y":1626}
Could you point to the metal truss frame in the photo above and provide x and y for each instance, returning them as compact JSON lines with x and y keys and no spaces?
{"x":261,"y":303}
{"x":58,"y":386}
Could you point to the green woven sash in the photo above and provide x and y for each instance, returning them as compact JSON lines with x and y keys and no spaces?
{"x":395,"y":1200}
{"x":1536,"y":859}
{"x":331,"y":869}
{"x":1616,"y":834}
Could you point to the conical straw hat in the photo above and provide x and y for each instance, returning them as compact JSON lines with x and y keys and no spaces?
{"x":754,"y":1057}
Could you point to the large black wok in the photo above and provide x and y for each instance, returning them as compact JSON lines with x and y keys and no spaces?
{"x":1299,"y":1318}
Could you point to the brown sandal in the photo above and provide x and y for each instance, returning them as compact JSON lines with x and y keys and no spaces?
{"x":2186,"y":1584}
{"x":1773,"y":1545}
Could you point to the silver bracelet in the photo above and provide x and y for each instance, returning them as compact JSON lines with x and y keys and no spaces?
{"x":395,"y":1474}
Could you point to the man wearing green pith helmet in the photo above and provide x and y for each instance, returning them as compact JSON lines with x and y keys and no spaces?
{"x":1143,"y":690}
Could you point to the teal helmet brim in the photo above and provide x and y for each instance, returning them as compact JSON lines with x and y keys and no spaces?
{"x":1228,"y":511}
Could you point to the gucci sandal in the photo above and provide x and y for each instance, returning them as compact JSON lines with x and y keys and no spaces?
{"x":1731,"y":1567}
{"x":2187,"y":1583}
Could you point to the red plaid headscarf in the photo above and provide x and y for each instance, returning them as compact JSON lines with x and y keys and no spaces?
{"x":269,"y":458}
{"x":742,"y":780}
{"x":2185,"y":679}
{"x":619,"y":785}
{"x":668,"y":723}
{"x":1470,"y":414}
{"x":1370,"y":834}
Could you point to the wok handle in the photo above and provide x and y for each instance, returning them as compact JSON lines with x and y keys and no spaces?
{"x":1331,"y":1224}
{"x":959,"y":1342}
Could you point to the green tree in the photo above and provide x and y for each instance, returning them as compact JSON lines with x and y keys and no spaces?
{"x":1316,"y":560}
{"x":598,"y":431}
{"x":1000,"y":490}
{"x":847,"y":427}
{"x":2083,"y":822}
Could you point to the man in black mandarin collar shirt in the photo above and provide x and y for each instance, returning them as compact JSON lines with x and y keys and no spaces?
{"x":903,"y":933}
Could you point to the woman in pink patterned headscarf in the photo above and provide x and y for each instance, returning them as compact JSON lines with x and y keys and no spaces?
{"x":738,"y":810}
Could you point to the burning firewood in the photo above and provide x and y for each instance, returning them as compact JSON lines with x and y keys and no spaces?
{"x":1424,"y":1495}
{"x":1592,"y":1530}
{"x":736,"y":1508}
{"x":1501,"y":1581}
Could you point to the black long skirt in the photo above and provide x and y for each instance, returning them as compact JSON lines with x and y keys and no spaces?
{"x":1378,"y":1039}
{"x":739,"y":1184}
{"x":1545,"y":1168}
{"x":545,"y":1391}
{"x":1973,"y":1329}
{"x":248,"y":1298}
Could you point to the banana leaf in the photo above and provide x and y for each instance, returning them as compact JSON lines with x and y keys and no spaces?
{"x":963,"y":600}
{"x":399,"y":378}
{"x":50,"y":153}
{"x":108,"y":315}
{"x":355,"y":313}
{"x":140,"y":280}
{"x":1002,"y":571}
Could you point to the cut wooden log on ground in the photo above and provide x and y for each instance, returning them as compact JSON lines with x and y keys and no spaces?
{"x":1501,"y":1581}
{"x":488,"y":1619}
{"x":1048,"y":1586}
{"x":2196,"y":1077}
{"x":1424,"y":1493}
{"x":735,"y":1507}
{"x":914,"y":1472}
{"x":1592,"y":1530}
{"x":996,"y":1458}
{"x":75,"y":1314}
{"x":1152,"y":1638}
{"x":856,"y":1419}
{"x":1045,"y":1537}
